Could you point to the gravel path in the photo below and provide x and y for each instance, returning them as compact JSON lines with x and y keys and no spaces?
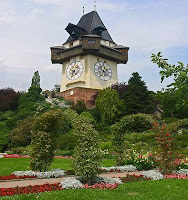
{"x":24,"y":183}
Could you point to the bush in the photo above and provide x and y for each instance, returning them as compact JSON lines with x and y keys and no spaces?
{"x":87,"y":153}
{"x":46,"y":129}
{"x":43,"y":151}
{"x":166,"y":148}
{"x":135,"y":123}
{"x":88,"y":116}
{"x":79,"y":107}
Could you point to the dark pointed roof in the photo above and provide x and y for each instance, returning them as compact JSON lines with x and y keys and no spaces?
{"x":92,"y":24}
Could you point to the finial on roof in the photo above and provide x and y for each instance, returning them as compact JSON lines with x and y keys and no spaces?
{"x":83,"y":10}
{"x":95,"y":6}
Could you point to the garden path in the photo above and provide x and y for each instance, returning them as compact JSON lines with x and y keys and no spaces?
{"x":24,"y":183}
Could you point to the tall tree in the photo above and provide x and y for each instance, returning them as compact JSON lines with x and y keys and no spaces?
{"x":137,"y":98}
{"x":35,"y":80}
{"x":34,"y":92}
{"x":109,"y":106}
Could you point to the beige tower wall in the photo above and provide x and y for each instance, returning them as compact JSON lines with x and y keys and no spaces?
{"x":88,"y":79}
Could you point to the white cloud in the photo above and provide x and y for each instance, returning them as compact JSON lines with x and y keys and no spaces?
{"x":37,"y":12}
{"x":38,"y":24}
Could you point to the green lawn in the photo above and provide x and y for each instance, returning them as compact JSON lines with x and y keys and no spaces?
{"x":149,"y":190}
{"x":9,"y":165}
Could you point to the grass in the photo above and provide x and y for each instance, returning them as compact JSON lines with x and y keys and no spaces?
{"x":9,"y":165}
{"x":149,"y":190}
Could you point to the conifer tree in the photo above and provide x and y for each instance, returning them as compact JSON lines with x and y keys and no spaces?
{"x":137,"y":98}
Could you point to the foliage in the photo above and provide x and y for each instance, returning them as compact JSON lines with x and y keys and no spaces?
{"x":57,"y":88}
{"x":128,"y":124}
{"x":36,"y":80}
{"x":178,"y":125}
{"x":88,"y":116}
{"x":135,"y":123}
{"x":121,"y":88}
{"x":46,"y":129}
{"x":174,"y":103}
{"x":4,"y":139}
{"x":79,"y":107}
{"x":141,"y":162}
{"x":137,"y":98}
{"x":9,"y":99}
{"x":109,"y":105}
{"x":66,"y":142}
{"x":21,"y":136}
{"x":87,"y":153}
{"x":179,"y":72}
{"x":166,"y":147}
{"x":43,"y":151}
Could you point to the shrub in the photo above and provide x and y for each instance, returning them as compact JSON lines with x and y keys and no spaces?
{"x":166,"y":147}
{"x":136,"y":123}
{"x":46,"y":129}
{"x":79,"y":107}
{"x":88,"y":116}
{"x":43,"y":151}
{"x":87,"y":153}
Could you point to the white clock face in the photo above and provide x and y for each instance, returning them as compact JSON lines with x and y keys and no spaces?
{"x":103,"y":71}
{"x":74,"y":70}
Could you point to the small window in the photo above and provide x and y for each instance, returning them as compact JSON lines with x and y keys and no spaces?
{"x":71,"y":44}
{"x":91,"y":41}
{"x":124,"y":53}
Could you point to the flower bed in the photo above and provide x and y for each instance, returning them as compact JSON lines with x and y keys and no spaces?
{"x":29,"y":189}
{"x":51,"y":174}
{"x":176,"y":176}
{"x":134,"y":178}
{"x":153,"y":174}
{"x":5,"y":155}
{"x":99,"y":183}
{"x":12,"y":176}
{"x":125,"y":168}
{"x":14,"y":156}
{"x":69,"y":183}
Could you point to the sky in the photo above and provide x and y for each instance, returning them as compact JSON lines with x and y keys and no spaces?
{"x":28,"y":28}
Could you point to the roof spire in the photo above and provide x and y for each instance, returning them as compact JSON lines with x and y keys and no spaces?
{"x":95,"y":6}
{"x":83,"y":10}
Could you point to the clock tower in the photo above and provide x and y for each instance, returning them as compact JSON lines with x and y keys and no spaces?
{"x":89,"y":59}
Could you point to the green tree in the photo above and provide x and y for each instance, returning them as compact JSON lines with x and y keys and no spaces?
{"x":33,"y":95}
{"x":87,"y":153}
{"x":137,"y":98}
{"x":109,"y":106}
{"x":179,"y":72}
{"x":174,"y":101}
{"x":36,"y":80}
